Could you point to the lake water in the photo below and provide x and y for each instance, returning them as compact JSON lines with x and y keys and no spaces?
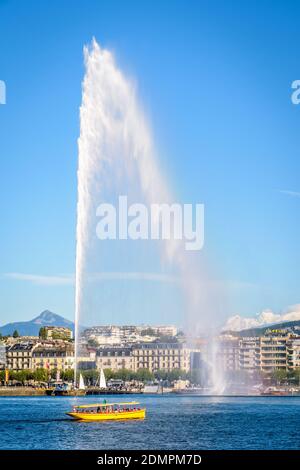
{"x":172,"y":422}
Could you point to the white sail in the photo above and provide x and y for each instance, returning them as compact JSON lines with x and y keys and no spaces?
{"x":102,"y":381}
{"x":81,"y":383}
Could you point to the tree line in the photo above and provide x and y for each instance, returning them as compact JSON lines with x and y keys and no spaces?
{"x":91,"y":375}
{"x":276,"y":377}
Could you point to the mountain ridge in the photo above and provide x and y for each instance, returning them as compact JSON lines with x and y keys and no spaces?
{"x":32,"y":327}
{"x":260,"y":330}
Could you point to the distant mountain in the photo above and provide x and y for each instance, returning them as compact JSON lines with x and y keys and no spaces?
{"x":264,"y":318}
{"x":32,"y":327}
{"x":260,"y":331}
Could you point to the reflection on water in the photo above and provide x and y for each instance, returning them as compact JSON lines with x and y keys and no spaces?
{"x":172,"y":422}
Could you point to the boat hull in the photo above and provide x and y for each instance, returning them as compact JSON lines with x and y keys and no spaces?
{"x":119,"y":415}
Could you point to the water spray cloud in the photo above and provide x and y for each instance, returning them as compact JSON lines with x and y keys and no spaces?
{"x":117,"y":157}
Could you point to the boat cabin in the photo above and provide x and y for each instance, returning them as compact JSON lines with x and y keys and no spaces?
{"x":106,"y":408}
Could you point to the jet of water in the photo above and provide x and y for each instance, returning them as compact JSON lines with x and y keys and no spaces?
{"x":117,"y":156}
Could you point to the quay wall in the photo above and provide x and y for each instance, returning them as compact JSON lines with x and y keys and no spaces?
{"x":20,"y":391}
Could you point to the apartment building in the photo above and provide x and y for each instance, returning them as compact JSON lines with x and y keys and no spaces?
{"x":56,"y":332}
{"x":273,"y":351}
{"x":123,"y":335}
{"x":249,"y":354}
{"x":165,"y":330}
{"x":293,"y":353}
{"x":278,"y":349}
{"x":115,"y":358}
{"x":227,"y":353}
{"x":86,"y":358}
{"x":2,"y":355}
{"x":162,"y":356}
{"x":19,"y":355}
{"x":59,"y":356}
{"x":151,"y":356}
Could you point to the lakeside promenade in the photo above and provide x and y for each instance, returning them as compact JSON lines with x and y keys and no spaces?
{"x":31,"y":392}
{"x":21,"y":391}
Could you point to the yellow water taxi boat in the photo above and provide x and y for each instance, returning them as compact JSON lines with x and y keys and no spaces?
{"x":108,"y":411}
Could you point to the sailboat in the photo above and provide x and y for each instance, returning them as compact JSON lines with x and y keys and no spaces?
{"x":81,"y":383}
{"x":102,"y":380}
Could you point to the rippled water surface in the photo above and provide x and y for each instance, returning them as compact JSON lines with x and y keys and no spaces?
{"x":172,"y":422}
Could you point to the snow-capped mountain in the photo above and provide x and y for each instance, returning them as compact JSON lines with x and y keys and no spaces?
{"x":266,"y":317}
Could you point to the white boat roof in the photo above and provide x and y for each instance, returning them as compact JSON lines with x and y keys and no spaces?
{"x":107,"y":404}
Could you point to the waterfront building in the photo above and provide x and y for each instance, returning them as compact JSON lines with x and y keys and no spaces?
{"x":57,"y":355}
{"x":2,"y":355}
{"x":228,"y":353}
{"x":151,"y":356}
{"x":162,"y":356}
{"x":277,"y":349}
{"x":115,"y":358}
{"x":273,"y":350}
{"x":249,"y":354}
{"x":86,"y":358}
{"x":293,"y":353}
{"x":19,"y":355}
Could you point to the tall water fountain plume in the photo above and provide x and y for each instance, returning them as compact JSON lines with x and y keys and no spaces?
{"x":117,"y":156}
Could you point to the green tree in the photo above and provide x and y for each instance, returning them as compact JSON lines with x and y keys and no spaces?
{"x":16,"y":334}
{"x":297,"y":374}
{"x":29,"y":374}
{"x":43,"y":333}
{"x":22,"y":376}
{"x":60,"y":335}
{"x":41,"y":375}
{"x":68,"y":375}
{"x":294,"y":376}
{"x":109,"y":374}
{"x":18,"y":375}
{"x":176,"y":374}
{"x":12,"y":375}
{"x":160,"y":374}
{"x":90,"y":375}
{"x":144,"y":375}
{"x":53,"y":373}
{"x":279,"y":375}
{"x":124,"y":374}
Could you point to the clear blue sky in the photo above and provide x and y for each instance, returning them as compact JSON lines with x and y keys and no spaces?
{"x":215,"y":78}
